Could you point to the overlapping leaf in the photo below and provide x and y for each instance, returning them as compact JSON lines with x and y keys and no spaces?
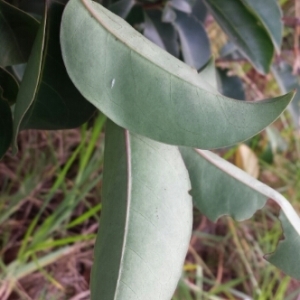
{"x":245,"y":30}
{"x":17,"y":33}
{"x":194,"y":41}
{"x":8,"y":87}
{"x":162,"y":34}
{"x":220,"y":188}
{"x":47,"y":98}
{"x":269,"y":14}
{"x":146,"y":221}
{"x":146,"y":90}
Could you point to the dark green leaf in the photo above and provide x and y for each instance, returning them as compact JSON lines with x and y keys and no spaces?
{"x":162,"y":34}
{"x":8,"y":87}
{"x":5,"y":125}
{"x":245,"y":31}
{"x":47,"y":98}
{"x":194,"y":41}
{"x":145,"y":89}
{"x":269,"y":14}
{"x":230,"y":86}
{"x":146,"y":222}
{"x":17,"y":33}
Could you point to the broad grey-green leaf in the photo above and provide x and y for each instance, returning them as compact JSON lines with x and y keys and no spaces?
{"x":245,"y":31}
{"x":195,"y":46}
{"x":220,"y":188}
{"x":8,"y":87}
{"x":146,"y":90}
{"x":17,"y":34}
{"x":5,"y":125}
{"x":269,"y":14}
{"x":47,"y":98}
{"x":146,"y":221}
{"x":162,"y":34}
{"x":286,"y":256}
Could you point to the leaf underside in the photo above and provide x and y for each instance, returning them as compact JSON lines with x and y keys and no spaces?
{"x":146,"y":90}
{"x":220,"y":188}
{"x":146,"y":221}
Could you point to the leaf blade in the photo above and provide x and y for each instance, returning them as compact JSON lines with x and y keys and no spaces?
{"x":242,"y":27}
{"x":151,"y":202}
{"x":168,"y":109}
{"x":239,"y":195}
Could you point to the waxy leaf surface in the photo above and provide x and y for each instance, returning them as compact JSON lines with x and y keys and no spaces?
{"x":146,"y":222}
{"x":146,"y":90}
{"x":220,"y":188}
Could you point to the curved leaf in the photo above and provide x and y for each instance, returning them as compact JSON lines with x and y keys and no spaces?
{"x":146,"y":221}
{"x":162,"y":34}
{"x":220,"y":188}
{"x":47,"y":98}
{"x":8,"y":87}
{"x":17,"y":33}
{"x":194,"y":41}
{"x":146,"y":90}
{"x":199,"y":10}
{"x":245,"y":30}
{"x":269,"y":14}
{"x":5,"y":125}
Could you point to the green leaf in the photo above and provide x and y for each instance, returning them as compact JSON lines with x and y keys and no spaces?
{"x":199,"y":10}
{"x":286,"y":257}
{"x":269,"y":14}
{"x":8,"y":87}
{"x":5,"y":125}
{"x":209,"y":73}
{"x":162,"y":34}
{"x":146,"y":222}
{"x":220,"y":188}
{"x":194,"y":41}
{"x":245,"y":30}
{"x":47,"y":98}
{"x":230,"y":86}
{"x":146,"y":90}
{"x":17,"y":33}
